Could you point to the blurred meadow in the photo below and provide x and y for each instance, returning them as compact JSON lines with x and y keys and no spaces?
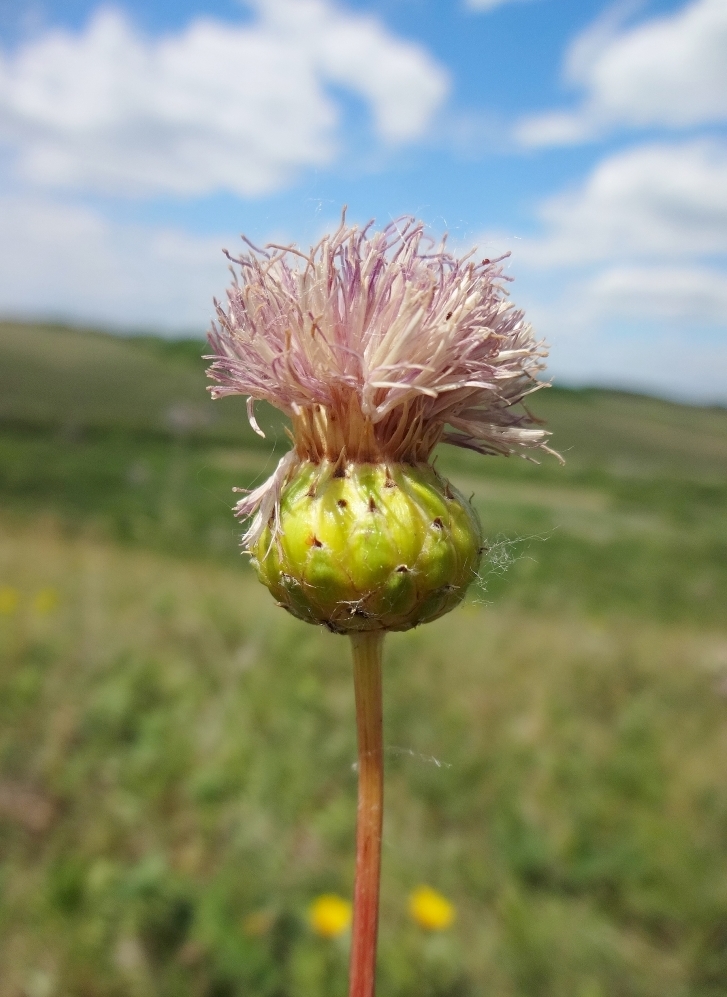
{"x":176,"y":780}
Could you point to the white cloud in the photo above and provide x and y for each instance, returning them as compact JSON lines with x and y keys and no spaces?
{"x":660,"y":328}
{"x":670,"y":71}
{"x":69,"y":262}
{"x":657,"y":200}
{"x":686,"y":362}
{"x":628,"y":277}
{"x":215,"y":107}
{"x":672,"y":293}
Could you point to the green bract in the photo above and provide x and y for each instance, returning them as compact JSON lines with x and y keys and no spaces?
{"x":369,"y":546}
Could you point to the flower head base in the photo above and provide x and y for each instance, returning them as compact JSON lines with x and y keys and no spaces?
{"x":377,"y":346}
{"x":385,"y":547}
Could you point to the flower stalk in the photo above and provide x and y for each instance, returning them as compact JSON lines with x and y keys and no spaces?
{"x":367,"y":654}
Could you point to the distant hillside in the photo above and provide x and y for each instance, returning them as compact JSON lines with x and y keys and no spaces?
{"x":62,"y":377}
{"x":78,"y":380}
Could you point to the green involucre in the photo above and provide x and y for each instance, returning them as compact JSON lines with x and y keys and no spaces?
{"x":385,"y":547}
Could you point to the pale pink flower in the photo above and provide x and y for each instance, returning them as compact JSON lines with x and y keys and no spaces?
{"x":377,"y":346}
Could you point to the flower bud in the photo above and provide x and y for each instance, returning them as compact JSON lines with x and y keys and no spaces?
{"x":369,"y":546}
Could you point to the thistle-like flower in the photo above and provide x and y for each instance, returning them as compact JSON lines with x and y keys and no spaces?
{"x":377,"y":346}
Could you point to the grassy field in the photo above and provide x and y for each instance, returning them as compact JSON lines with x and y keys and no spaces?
{"x":176,"y":778}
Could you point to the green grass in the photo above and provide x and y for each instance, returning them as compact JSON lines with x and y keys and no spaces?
{"x":193,"y":748}
{"x":176,"y":778}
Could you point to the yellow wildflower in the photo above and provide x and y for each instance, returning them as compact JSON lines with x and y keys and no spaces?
{"x":329,"y":915}
{"x":8,"y":600}
{"x":45,"y":601}
{"x":430,"y":909}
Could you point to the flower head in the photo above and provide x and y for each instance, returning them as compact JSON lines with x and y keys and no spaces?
{"x":430,"y":909}
{"x":377,"y":346}
{"x":329,"y":915}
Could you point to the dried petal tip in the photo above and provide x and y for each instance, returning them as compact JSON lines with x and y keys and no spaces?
{"x":377,"y":346}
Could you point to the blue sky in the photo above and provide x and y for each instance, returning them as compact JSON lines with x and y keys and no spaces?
{"x":137,"y":139}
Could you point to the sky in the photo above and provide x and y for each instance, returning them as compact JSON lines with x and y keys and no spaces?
{"x":586,"y":138}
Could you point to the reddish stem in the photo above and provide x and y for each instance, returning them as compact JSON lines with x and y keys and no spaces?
{"x":367,"y":651}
